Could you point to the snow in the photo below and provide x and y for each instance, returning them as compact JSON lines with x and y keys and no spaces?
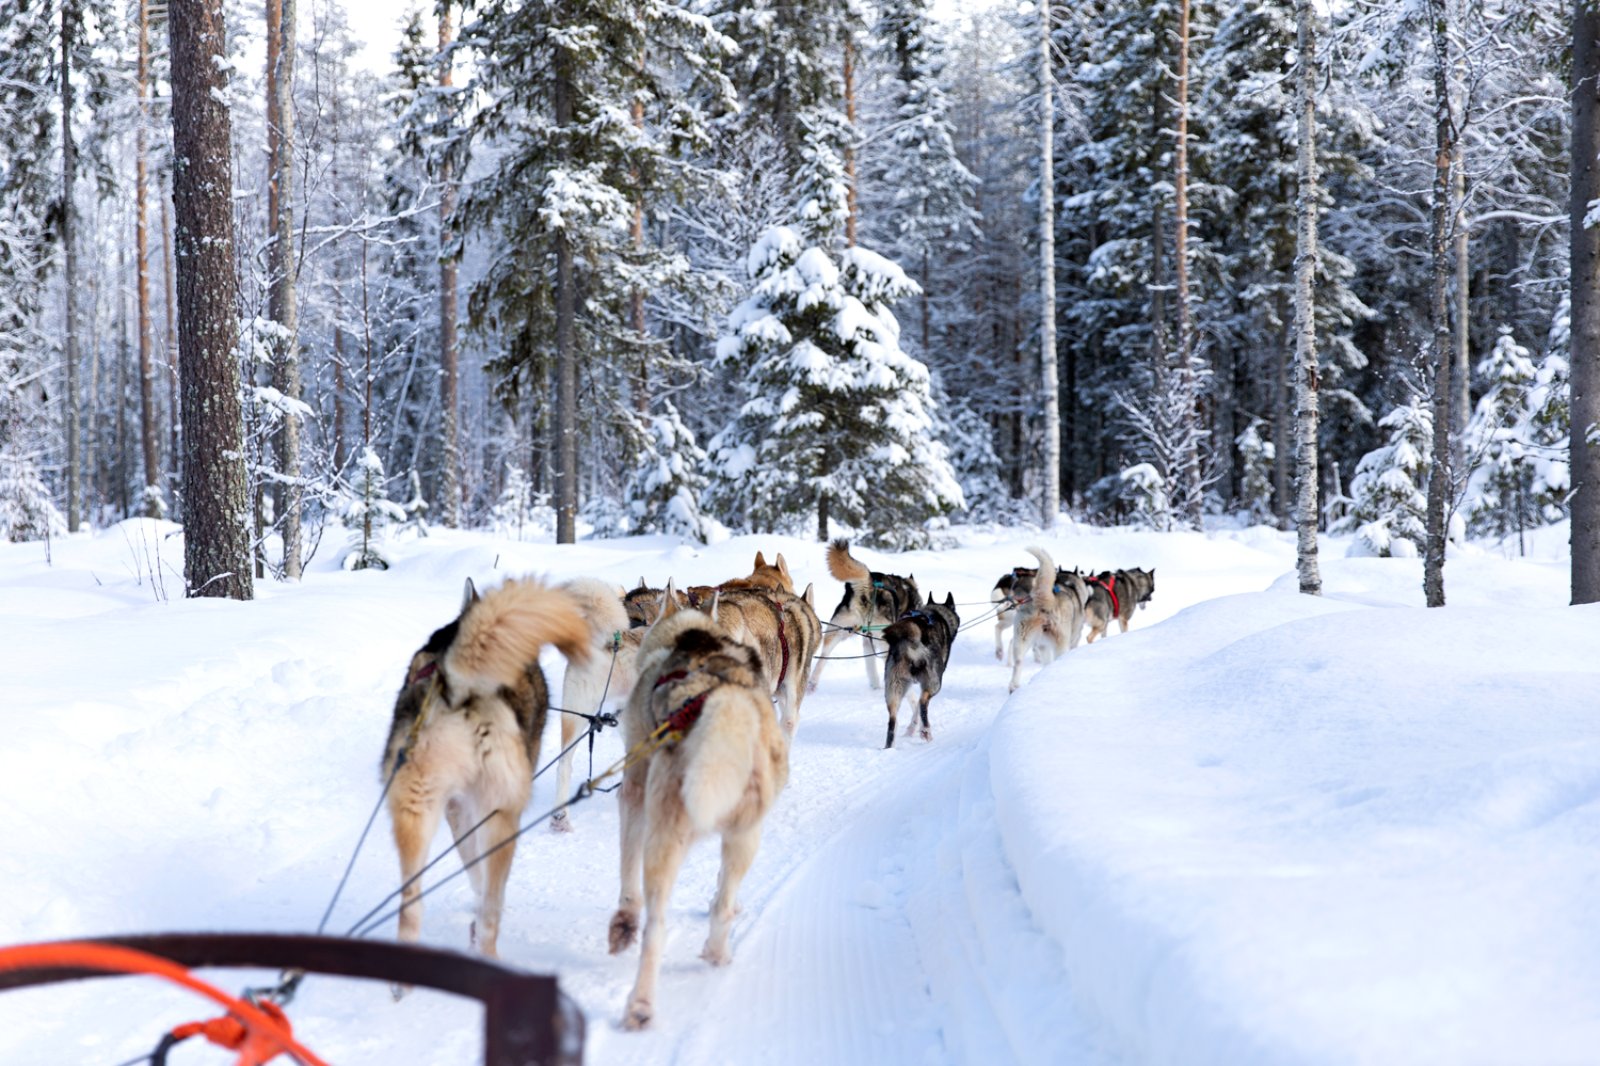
{"x":1258,"y":828}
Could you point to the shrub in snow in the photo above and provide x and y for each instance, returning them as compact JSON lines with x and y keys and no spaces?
{"x":416,"y":508}
{"x":1256,"y":457}
{"x":368,"y":507}
{"x":664,"y":492}
{"x":1145,"y":490}
{"x":1389,"y":509}
{"x":838,"y":420}
{"x":520,"y":512}
{"x":26,"y":510}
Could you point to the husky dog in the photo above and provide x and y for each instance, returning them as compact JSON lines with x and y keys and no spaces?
{"x":763,"y":575}
{"x":870,"y":599}
{"x":643,"y":603}
{"x":606,"y":676}
{"x":465,"y":737}
{"x":784,"y":631}
{"x":1007,"y":592}
{"x":1051,"y":619}
{"x":919,"y":649}
{"x":1115,"y":595}
{"x":723,"y":764}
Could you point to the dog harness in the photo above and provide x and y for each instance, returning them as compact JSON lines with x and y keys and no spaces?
{"x":681,"y":720}
{"x":1110,"y":587}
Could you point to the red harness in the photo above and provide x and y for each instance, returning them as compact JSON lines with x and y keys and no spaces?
{"x":682,"y":719}
{"x":1111,"y":590}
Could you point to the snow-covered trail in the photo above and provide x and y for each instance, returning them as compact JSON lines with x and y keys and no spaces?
{"x":193,"y":765}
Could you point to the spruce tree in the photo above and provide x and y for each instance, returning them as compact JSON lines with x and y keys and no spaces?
{"x":1389,"y":512}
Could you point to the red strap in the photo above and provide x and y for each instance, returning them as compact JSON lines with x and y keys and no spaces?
{"x":686,"y":716}
{"x":1110,"y":587}
{"x":667,"y":679}
{"x":783,"y":642}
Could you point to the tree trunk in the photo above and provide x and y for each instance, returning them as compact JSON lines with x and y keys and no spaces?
{"x":850,"y":147}
{"x":1050,"y":482}
{"x":1461,"y":403}
{"x":1189,"y":435}
{"x":566,"y":473}
{"x":149,"y":438}
{"x":1441,"y":351}
{"x":1281,"y":421}
{"x":174,"y":407}
{"x":70,"y":17}
{"x":281,"y":268}
{"x":216,"y":538}
{"x":1305,"y":318}
{"x":1585,"y":386}
{"x":449,"y":372}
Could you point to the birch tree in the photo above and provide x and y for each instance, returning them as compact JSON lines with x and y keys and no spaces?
{"x":1441,"y":350}
{"x":1305,"y":319}
{"x":1585,"y":387}
{"x":1050,"y":496}
{"x":281,"y":307}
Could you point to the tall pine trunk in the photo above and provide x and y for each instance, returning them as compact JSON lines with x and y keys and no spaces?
{"x":149,"y":439}
{"x":281,"y":306}
{"x":1050,"y":482}
{"x":449,"y":372}
{"x":1305,"y":319}
{"x":169,"y":286}
{"x":216,"y":507}
{"x":1585,"y":382}
{"x":850,"y":146}
{"x":566,"y":473}
{"x":1441,"y":350}
{"x":1189,"y":424}
{"x":70,"y":17}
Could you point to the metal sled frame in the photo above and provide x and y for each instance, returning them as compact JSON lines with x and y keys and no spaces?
{"x":526,"y":1019}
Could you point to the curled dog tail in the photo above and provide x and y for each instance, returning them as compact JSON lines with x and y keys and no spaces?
{"x":600,"y":606}
{"x":905,"y":641}
{"x":503,"y":632}
{"x":844,"y":566}
{"x":1044,"y":586}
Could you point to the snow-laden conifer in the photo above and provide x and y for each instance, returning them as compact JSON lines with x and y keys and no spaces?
{"x":1389,"y":512}
{"x":838,"y":420}
{"x":668,"y":480}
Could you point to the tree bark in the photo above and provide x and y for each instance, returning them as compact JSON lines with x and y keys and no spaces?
{"x":149,"y":437}
{"x":281,"y":306}
{"x":449,"y":369}
{"x":174,"y":407}
{"x":70,"y":17}
{"x":1189,"y":458}
{"x":1050,"y":482}
{"x":1305,"y":319}
{"x":216,"y":538}
{"x":850,"y":148}
{"x":1585,"y":252}
{"x":1441,"y":351}
{"x":566,"y":473}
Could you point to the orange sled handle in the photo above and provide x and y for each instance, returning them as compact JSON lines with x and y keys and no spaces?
{"x":259,"y":1033}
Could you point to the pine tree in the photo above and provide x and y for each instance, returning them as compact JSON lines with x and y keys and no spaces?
{"x":668,"y":481}
{"x":1256,"y":458}
{"x":1389,"y":514}
{"x":838,"y":420}
{"x":367,"y":505}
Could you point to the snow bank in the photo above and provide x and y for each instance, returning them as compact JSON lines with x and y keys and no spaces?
{"x":1279,"y":829}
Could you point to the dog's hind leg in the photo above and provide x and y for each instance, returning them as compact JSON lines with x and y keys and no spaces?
{"x":460,"y":821}
{"x":630,"y":810}
{"x":1002,"y":622}
{"x":869,"y":651}
{"x":501,"y":828}
{"x":922,"y":709}
{"x":560,"y":823}
{"x":416,"y":819}
{"x":1019,"y":648}
{"x":663,"y":854}
{"x":738,"y":851}
{"x":894,"y":691}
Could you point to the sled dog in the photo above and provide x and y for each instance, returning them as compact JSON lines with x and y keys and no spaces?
{"x":783,"y":630}
{"x":1050,"y":620}
{"x":919,"y":649}
{"x":1005,"y":595}
{"x":468,"y":720}
{"x":606,"y":676}
{"x":1115,"y":595}
{"x":870,"y":600}
{"x":724,"y":763}
{"x":643,"y":602}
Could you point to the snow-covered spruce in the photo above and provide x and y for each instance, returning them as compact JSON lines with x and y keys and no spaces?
{"x":664,"y":492}
{"x":838,"y":420}
{"x":1389,"y":513}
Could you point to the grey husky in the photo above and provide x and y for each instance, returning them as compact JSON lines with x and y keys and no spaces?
{"x":919,"y":649}
{"x":872,"y":600}
{"x":1115,"y":595}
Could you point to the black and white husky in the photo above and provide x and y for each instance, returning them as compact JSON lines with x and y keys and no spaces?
{"x":872,"y":601}
{"x":919,"y":650}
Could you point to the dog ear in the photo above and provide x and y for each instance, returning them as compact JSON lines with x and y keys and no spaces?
{"x":950,"y":599}
{"x":642,"y":584}
{"x":716,"y":602}
{"x":783,"y":567}
{"x":669,"y":602}
{"x":761,"y":560}
{"x":930,"y":600}
{"x":809,"y":598}
{"x":469,"y":595}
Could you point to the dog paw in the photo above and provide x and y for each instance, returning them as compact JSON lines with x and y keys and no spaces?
{"x":927,"y":734}
{"x":639,"y":1015}
{"x":811,"y":686}
{"x":560,"y":823}
{"x":716,"y":956}
{"x":624,"y":927}
{"x":399,"y":991}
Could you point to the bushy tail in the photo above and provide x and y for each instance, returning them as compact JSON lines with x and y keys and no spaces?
{"x":600,"y":606}
{"x":844,"y":566}
{"x":905,"y":641}
{"x":505,"y":630}
{"x":1044,"y":584}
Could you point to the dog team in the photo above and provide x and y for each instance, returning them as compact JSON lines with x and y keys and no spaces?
{"x":711,"y":679}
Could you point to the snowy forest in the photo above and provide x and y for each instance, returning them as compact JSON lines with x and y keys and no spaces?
{"x":681,"y":265}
